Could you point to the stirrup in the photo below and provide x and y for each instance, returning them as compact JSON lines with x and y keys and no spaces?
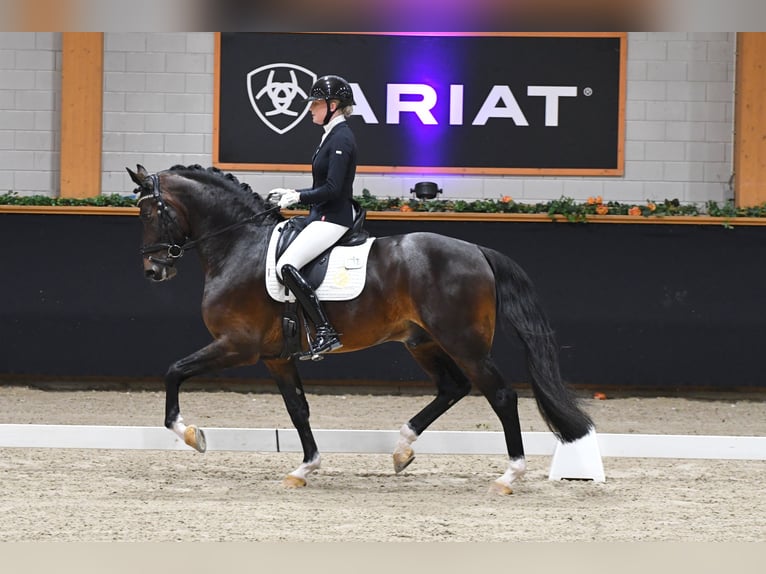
{"x":326,"y":341}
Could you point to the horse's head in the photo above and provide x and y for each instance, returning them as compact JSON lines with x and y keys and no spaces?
{"x":163,"y":238}
{"x":186,"y":207}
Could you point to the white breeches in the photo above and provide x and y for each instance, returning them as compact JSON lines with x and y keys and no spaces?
{"x":312,"y":241}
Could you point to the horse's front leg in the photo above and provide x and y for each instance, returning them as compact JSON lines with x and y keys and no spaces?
{"x":290,"y":386}
{"x":217,"y":355}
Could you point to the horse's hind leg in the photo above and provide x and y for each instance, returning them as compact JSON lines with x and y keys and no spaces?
{"x":451,"y":384}
{"x":217,"y":355}
{"x":504,"y":401}
{"x":290,"y":386}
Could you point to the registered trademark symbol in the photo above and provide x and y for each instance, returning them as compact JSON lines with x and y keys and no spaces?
{"x":588,"y":91}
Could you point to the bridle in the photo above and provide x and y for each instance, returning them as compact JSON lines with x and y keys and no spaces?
{"x":172,"y":249}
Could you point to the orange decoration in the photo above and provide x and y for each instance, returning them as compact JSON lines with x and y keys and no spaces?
{"x":602,"y":209}
{"x":635,"y":210}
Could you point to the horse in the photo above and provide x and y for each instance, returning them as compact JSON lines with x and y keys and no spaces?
{"x":441,"y":297}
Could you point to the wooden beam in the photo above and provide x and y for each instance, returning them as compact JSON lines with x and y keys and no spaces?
{"x":750,"y":120}
{"x":42,"y":16}
{"x":82,"y":89}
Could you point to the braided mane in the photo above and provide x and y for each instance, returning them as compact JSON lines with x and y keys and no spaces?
{"x":240,"y":196}
{"x":213,"y":175}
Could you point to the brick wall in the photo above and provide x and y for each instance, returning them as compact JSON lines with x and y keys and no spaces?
{"x":30,"y":87}
{"x":158,"y":106}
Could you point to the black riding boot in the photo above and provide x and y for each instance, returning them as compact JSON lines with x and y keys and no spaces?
{"x":326,"y":338}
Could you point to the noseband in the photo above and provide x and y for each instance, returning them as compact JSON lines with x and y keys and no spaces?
{"x":172,"y":249}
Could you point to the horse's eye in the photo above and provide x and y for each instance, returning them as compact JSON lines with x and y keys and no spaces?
{"x":146,"y":213}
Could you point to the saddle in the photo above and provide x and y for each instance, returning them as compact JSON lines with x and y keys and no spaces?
{"x":315,"y":270}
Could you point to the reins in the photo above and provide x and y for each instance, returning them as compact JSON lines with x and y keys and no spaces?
{"x":174,"y":250}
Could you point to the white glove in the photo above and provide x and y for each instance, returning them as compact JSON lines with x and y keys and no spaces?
{"x":276,"y":194}
{"x":289,"y":198}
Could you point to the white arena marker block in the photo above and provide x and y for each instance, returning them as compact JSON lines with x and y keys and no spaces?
{"x":579,"y":460}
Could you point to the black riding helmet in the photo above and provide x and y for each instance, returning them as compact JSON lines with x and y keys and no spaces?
{"x":331,"y":88}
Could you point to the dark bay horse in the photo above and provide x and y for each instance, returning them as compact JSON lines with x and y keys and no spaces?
{"x":439,"y":296}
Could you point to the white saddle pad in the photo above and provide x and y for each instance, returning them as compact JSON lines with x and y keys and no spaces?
{"x":346,"y":272}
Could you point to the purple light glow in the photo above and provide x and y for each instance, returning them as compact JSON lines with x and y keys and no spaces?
{"x":434,"y":66}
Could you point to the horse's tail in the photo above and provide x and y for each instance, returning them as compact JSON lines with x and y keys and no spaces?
{"x":519,"y":308}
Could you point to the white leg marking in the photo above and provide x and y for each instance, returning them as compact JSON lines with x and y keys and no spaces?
{"x":516,"y":469}
{"x":307,"y":468}
{"x":179,"y":427}
{"x":406,"y":437}
{"x":403,"y":453}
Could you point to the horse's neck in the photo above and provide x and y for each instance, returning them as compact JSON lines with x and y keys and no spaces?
{"x":224,"y":235}
{"x":240,"y":249}
{"x":209,"y":216}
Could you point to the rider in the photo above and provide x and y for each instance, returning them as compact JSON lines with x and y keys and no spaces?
{"x":330,"y":199}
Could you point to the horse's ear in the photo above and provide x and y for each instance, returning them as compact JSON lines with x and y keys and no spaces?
{"x":140,"y":177}
{"x":134,"y":176}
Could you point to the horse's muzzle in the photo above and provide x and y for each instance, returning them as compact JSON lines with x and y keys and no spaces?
{"x":156,"y":272}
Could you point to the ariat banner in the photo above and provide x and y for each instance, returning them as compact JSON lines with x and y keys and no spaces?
{"x":546,"y":103}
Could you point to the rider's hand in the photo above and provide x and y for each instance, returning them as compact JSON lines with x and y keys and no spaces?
{"x":290,"y":197}
{"x":276,"y":194}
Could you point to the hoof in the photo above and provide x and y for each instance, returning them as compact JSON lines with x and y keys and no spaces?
{"x":195,"y":438}
{"x":402,"y":459}
{"x":500,"y":488}
{"x":291,"y":481}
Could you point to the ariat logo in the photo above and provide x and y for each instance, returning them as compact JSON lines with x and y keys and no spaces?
{"x":277,"y":94}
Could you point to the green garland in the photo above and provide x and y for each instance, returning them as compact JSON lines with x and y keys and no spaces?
{"x":110,"y":200}
{"x":565,"y":206}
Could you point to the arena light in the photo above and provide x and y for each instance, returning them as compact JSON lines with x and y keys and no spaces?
{"x":426,"y":190}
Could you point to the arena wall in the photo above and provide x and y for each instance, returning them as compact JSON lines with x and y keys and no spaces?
{"x":651,"y":306}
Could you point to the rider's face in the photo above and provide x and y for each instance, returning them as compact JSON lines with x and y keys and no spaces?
{"x":318,"y":109}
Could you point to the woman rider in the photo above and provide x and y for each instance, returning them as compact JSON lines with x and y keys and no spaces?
{"x":333,"y":168}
